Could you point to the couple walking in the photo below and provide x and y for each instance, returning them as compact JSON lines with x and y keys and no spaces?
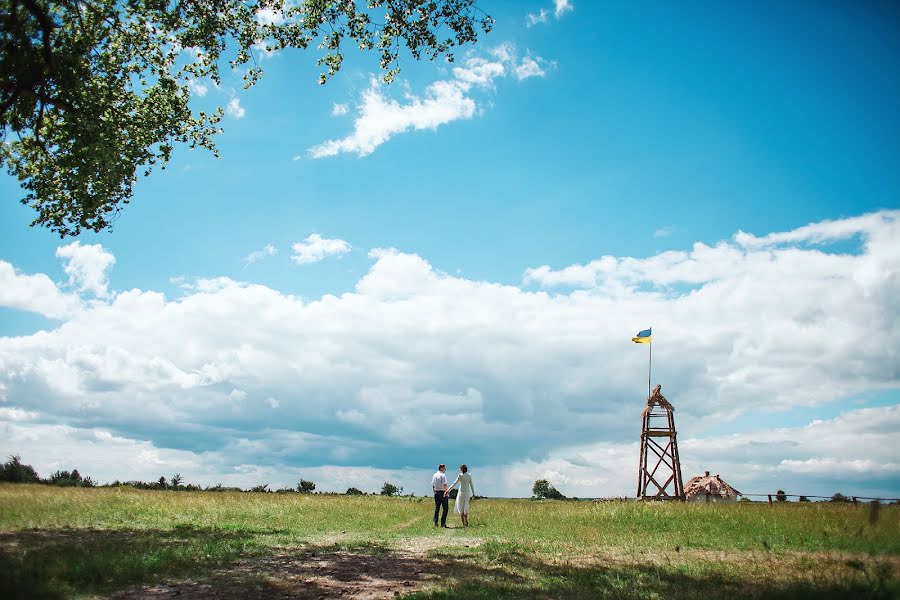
{"x":442,"y":494}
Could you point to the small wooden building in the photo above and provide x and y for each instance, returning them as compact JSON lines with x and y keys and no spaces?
{"x":709,"y":488}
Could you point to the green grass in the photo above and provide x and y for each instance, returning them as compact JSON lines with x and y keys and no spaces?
{"x":63,"y":542}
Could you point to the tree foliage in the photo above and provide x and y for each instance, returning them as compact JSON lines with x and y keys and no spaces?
{"x":542,"y":489}
{"x":306,"y":487}
{"x":352,"y":491}
{"x":15,"y":471}
{"x":94,"y":91}
{"x":70,"y":479}
{"x":389,"y":489}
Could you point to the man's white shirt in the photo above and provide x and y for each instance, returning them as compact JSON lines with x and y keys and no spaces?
{"x":438,"y":481}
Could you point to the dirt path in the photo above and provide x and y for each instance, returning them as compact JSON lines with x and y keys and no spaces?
{"x":316,"y":574}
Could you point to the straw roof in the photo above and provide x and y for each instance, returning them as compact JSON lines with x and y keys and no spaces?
{"x":709,"y":484}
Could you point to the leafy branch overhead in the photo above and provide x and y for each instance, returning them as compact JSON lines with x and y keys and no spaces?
{"x":94,"y":91}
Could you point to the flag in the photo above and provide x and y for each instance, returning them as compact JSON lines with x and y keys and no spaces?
{"x":643,"y":337}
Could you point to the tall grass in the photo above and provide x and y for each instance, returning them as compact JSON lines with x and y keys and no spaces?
{"x":92,"y":540}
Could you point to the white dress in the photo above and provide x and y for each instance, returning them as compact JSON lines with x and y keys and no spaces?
{"x":466,"y":491}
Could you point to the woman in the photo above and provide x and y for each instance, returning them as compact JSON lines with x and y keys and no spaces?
{"x":466,"y":491}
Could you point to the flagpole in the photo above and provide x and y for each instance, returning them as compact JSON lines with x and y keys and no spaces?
{"x":649,"y":364}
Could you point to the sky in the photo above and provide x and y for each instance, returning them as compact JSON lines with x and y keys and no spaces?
{"x":373,"y":278}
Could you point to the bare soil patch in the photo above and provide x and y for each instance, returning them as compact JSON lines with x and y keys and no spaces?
{"x":316,"y":573}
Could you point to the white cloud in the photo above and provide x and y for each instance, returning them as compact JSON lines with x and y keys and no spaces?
{"x":34,"y":293}
{"x":663,"y":232}
{"x":315,"y":248}
{"x":338,"y":109}
{"x":197,"y":88}
{"x":561,"y":7}
{"x":234,"y":109}
{"x":533,"y":19}
{"x":524,"y":382}
{"x":528,"y":68}
{"x":87,"y":267}
{"x":381,"y":117}
{"x":269,"y":16}
{"x":258,"y":255}
{"x":748,"y":257}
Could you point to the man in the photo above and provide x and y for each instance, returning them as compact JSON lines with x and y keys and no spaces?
{"x":439,"y":486}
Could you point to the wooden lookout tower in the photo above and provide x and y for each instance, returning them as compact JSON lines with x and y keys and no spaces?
{"x":659,"y":452}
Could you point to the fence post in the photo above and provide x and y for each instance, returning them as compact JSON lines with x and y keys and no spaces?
{"x":770,"y":498}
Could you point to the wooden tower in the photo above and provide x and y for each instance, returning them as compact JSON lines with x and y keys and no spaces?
{"x":659,"y":452}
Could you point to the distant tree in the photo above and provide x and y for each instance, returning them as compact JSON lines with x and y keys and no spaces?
{"x":177,"y":480}
{"x":73,"y":479}
{"x":804,"y":499}
{"x":781,"y":496}
{"x":286,"y":490}
{"x":389,"y":489}
{"x":260,"y":488}
{"x":306,"y":487}
{"x":453,"y":493}
{"x":839,"y":497}
{"x":95,"y":91}
{"x":352,"y":491}
{"x":15,"y":471}
{"x":543,"y":490}
{"x":161,"y":484}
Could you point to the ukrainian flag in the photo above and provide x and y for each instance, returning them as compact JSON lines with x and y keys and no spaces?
{"x":643,"y":337}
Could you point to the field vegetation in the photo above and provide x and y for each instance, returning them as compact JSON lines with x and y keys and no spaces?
{"x":125,"y":542}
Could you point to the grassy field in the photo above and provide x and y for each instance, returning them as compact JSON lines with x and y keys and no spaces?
{"x":124,"y":543}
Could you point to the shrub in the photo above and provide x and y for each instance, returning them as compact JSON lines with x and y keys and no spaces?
{"x":542,"y":490}
{"x":306,"y":487}
{"x":13,"y":470}
{"x":839,"y":497}
{"x":804,"y":499}
{"x":389,"y":489}
{"x":352,"y":491}
{"x":780,"y":496}
{"x":260,"y":488}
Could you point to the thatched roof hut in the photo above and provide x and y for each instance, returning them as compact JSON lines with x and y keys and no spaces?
{"x":709,"y":488}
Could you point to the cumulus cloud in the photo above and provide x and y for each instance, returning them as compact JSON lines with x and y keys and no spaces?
{"x":87,"y":267}
{"x":315,"y":248}
{"x":243,"y":381}
{"x":380,"y":117}
{"x":34,"y":293}
{"x":528,"y":68}
{"x":234,"y":109}
{"x":258,"y":255}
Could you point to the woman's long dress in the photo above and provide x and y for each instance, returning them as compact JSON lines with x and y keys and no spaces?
{"x":466,"y":491}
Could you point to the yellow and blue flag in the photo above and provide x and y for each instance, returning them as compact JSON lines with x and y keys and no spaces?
{"x":643,"y":337}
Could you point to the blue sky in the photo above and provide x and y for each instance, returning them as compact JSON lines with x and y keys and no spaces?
{"x":738,"y":167}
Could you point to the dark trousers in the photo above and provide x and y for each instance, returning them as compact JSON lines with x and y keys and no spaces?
{"x":440,"y":500}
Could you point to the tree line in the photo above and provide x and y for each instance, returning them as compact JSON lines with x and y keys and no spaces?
{"x":15,"y":471}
